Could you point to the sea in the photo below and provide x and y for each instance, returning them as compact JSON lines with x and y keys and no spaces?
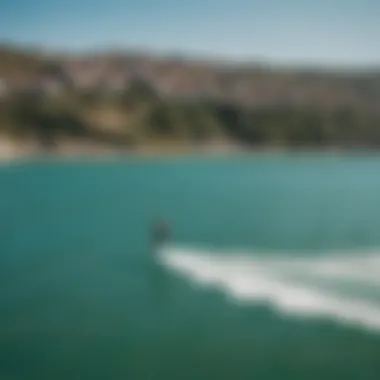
{"x":272,"y":270}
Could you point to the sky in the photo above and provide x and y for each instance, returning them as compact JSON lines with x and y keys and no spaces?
{"x":295,"y":32}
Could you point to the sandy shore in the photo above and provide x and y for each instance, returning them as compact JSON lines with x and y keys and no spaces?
{"x":12,"y":151}
{"x":26,"y":151}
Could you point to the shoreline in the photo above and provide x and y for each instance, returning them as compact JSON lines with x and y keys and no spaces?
{"x":21,"y":153}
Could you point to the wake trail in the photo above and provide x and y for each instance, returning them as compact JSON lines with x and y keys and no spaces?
{"x":344,"y":286}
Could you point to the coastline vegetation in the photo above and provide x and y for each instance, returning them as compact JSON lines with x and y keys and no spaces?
{"x":138,"y":115}
{"x":131,"y":119}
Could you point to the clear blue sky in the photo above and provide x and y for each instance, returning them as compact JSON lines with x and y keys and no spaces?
{"x":343,"y":32}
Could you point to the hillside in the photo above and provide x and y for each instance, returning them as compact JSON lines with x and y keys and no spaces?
{"x":131,"y":100}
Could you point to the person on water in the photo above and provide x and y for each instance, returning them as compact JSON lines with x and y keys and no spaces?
{"x":160,"y":234}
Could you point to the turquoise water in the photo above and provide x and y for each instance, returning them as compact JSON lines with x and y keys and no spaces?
{"x":273,"y":272}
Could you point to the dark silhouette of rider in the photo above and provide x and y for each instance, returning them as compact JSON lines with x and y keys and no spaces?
{"x":160,"y":233}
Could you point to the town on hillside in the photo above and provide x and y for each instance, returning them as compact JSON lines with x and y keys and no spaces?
{"x":127,"y":100}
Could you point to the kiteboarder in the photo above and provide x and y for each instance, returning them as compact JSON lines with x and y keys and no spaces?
{"x":160,"y":234}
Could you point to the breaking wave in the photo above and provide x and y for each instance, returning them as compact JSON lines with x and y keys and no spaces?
{"x":344,"y":286}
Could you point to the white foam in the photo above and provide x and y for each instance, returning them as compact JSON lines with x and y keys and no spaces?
{"x":343,"y":286}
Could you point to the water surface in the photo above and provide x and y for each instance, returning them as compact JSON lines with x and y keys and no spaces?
{"x":274,"y":270}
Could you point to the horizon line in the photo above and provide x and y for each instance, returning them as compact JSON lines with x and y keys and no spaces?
{"x":188,"y":56}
